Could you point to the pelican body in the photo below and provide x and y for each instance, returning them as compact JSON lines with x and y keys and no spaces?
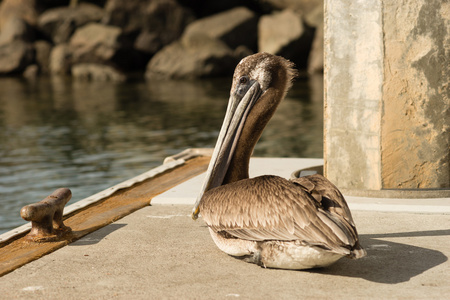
{"x":268,"y":220}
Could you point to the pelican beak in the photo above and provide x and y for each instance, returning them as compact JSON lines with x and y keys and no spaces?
{"x":239,"y":105}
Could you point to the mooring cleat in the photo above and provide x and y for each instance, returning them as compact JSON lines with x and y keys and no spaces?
{"x":46,"y":217}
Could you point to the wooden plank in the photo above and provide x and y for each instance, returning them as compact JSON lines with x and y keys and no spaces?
{"x":99,"y":214}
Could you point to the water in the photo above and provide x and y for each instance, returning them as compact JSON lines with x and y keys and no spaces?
{"x":88,"y":136}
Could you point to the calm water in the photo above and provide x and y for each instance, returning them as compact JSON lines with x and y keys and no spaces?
{"x":89,"y":136}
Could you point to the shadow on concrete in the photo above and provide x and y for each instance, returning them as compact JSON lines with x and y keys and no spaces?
{"x":97,"y":236}
{"x":389,"y":262}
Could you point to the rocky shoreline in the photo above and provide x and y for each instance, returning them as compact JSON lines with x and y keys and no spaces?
{"x":109,"y":40}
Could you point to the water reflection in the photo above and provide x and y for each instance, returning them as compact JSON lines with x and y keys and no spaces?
{"x":88,"y":136}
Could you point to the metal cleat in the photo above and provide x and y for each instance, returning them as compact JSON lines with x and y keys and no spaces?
{"x":46,"y":217}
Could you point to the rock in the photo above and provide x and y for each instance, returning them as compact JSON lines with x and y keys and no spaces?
{"x":43,"y":50}
{"x":314,"y":18}
{"x":234,"y":27}
{"x":61,"y":22}
{"x":148,"y":42}
{"x":31,"y":72}
{"x":283,"y":33}
{"x":128,"y":15}
{"x":22,"y":9}
{"x":95,"y":43}
{"x":97,"y":72}
{"x":15,"y":57}
{"x":206,"y":47}
{"x":192,"y":58}
{"x":158,"y":22}
{"x":204,"y":8}
{"x":15,"y":29}
{"x":165,"y":21}
{"x":305,"y":7}
{"x":60,"y":59}
{"x":241,"y":52}
{"x":315,"y":60}
{"x":104,"y":44}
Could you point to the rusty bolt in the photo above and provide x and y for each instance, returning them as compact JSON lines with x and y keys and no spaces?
{"x":46,"y":216}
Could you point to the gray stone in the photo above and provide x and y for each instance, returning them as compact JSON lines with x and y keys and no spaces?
{"x":148,"y":42}
{"x":234,"y":27}
{"x":314,"y":18}
{"x":95,"y":43}
{"x":96,"y":72}
{"x":105,"y":44}
{"x":164,"y":22}
{"x":158,"y":22}
{"x":192,"y":58}
{"x":60,"y":23}
{"x":15,"y":56}
{"x":204,"y":8}
{"x":283,"y":33}
{"x":60,"y":59}
{"x":43,"y":50}
{"x":128,"y":15}
{"x":301,"y":6}
{"x":315,"y":59}
{"x":22,"y":9}
{"x":31,"y":72}
{"x":15,"y":29}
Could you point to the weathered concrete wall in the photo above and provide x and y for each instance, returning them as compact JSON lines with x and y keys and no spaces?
{"x":416,"y":114}
{"x":387,"y":107}
{"x":353,"y":92}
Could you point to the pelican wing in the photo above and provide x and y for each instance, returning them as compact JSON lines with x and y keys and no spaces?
{"x":326,"y":194}
{"x":273,"y":208}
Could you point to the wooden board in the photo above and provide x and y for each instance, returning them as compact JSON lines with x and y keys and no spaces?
{"x":99,"y":214}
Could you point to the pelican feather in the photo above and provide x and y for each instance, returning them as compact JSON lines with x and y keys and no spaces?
{"x":293,"y":215}
{"x":268,"y":220}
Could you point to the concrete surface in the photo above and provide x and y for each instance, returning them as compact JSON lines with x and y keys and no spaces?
{"x":386,"y":70}
{"x":159,"y":252}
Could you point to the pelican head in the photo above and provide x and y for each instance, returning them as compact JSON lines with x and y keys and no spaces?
{"x":260,"y":82}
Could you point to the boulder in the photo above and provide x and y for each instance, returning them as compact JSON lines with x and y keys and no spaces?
{"x":16,"y":34}
{"x":305,"y":7}
{"x":128,"y":15}
{"x":95,"y":43}
{"x":43,"y":50}
{"x":157,"y":22}
{"x":204,"y":8}
{"x":165,"y":21}
{"x":61,"y":22}
{"x":104,"y":44}
{"x":315,"y":60}
{"x":60,"y":59}
{"x":22,"y":9}
{"x":15,"y":56}
{"x":284,"y":33}
{"x":197,"y":57}
{"x":31,"y":72}
{"x":314,"y":18}
{"x":234,"y":27}
{"x":16,"y":29}
{"x":97,"y":72}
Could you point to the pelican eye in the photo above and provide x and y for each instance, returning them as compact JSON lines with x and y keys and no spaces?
{"x":243,"y":85}
{"x":243,"y":80}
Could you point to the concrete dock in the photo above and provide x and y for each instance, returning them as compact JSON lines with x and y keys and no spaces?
{"x":159,"y":252}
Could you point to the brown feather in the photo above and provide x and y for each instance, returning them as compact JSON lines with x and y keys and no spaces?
{"x":273,"y":208}
{"x":268,"y":210}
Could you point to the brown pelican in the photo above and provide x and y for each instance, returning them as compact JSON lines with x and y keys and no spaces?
{"x":268,"y":220}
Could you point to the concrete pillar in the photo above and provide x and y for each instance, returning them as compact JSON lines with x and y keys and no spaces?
{"x":387,"y":95}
